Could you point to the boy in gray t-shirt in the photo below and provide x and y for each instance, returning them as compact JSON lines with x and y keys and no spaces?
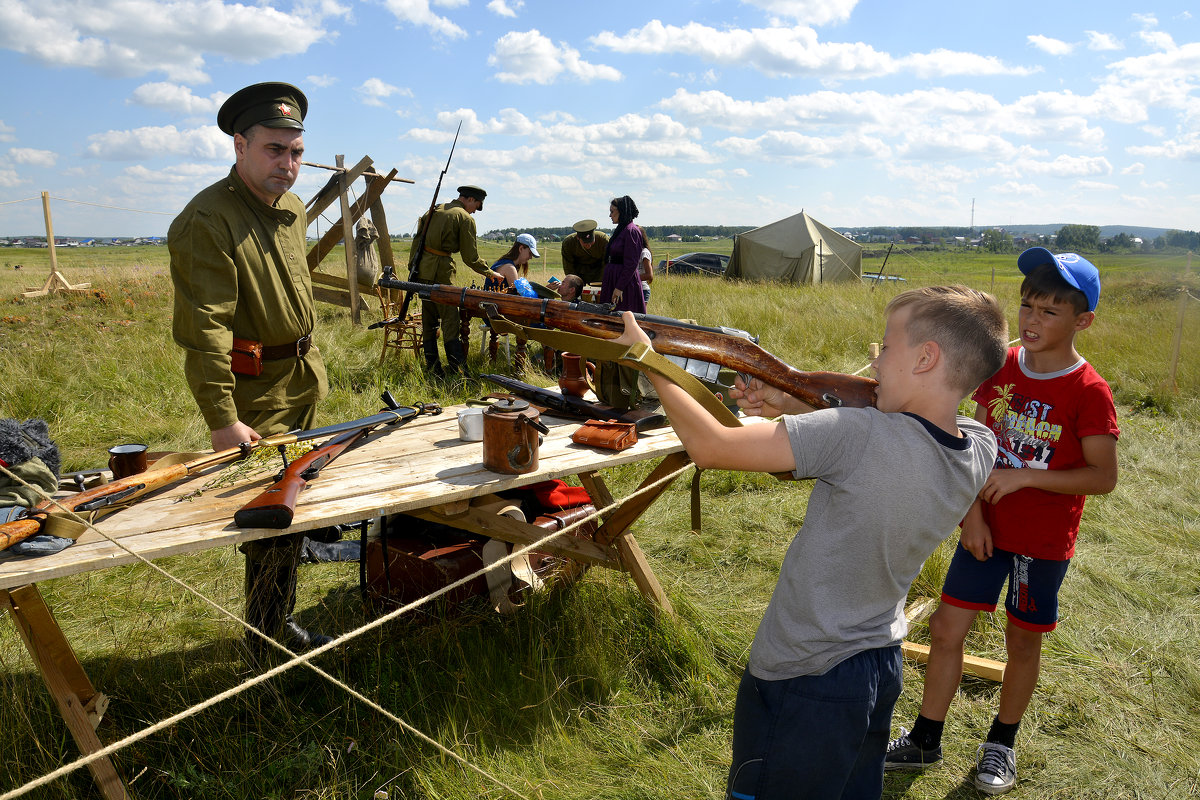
{"x":813,"y":712}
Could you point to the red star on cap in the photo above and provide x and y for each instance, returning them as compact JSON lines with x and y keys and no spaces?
{"x":287,"y":112}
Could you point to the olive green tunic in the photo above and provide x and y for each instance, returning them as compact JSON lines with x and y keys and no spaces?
{"x":587,"y":264}
{"x":451,"y":230}
{"x":239,"y":268}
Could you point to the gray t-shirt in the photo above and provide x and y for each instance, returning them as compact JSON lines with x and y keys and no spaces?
{"x":889,"y":488}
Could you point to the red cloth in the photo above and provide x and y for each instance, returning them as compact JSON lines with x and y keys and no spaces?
{"x":557,"y":494}
{"x":1039,"y":421}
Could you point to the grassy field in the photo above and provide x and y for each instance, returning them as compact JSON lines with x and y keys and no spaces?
{"x":586,"y":693}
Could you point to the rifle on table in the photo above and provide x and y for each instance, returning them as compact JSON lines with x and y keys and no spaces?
{"x":276,"y":506}
{"x":418,"y":243}
{"x":576,"y":407}
{"x":127,"y":490}
{"x":727,"y":347}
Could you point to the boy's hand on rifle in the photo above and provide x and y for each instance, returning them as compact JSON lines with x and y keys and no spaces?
{"x":633,"y":333}
{"x":233,"y":435}
{"x":759,"y":400}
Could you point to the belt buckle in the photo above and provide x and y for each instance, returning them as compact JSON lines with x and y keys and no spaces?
{"x":303,"y":344}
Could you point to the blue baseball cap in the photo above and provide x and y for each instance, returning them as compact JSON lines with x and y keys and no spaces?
{"x":530,"y":242}
{"x":1074,"y":269}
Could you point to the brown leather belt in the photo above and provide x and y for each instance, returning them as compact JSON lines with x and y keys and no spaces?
{"x":296,"y":349}
{"x":433,"y":252}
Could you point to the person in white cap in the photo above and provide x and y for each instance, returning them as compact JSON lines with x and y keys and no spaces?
{"x":515,"y":263}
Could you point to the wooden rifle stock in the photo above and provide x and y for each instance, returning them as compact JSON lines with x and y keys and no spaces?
{"x":128,"y":489}
{"x":276,"y":506}
{"x":723,"y":346}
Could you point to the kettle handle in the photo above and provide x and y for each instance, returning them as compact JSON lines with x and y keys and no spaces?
{"x":536,"y":423}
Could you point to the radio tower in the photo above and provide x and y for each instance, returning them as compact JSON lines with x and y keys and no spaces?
{"x":972,"y":231}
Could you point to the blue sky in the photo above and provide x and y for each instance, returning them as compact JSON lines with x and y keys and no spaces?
{"x":734,"y":112}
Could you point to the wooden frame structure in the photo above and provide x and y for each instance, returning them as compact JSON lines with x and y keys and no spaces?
{"x":335,"y":289}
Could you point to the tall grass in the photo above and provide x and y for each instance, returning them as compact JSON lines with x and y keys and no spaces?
{"x":585,"y":692}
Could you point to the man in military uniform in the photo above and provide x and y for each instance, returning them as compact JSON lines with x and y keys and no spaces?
{"x":451,"y":230}
{"x":241,"y":278}
{"x":583,"y":252}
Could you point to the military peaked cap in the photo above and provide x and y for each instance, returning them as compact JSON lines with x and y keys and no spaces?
{"x":472,"y":191}
{"x":585,"y":226}
{"x":275,"y":105}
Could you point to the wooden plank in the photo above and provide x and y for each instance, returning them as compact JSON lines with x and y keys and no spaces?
{"x":334,"y":235}
{"x":65,"y":679}
{"x":329,"y":192}
{"x":972,"y":665}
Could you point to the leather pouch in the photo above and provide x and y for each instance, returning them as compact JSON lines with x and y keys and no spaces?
{"x":607,"y":435}
{"x":246,"y":357}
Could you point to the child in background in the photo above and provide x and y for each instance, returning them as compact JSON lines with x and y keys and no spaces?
{"x":1056,"y":424}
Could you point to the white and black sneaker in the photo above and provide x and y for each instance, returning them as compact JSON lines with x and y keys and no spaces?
{"x":904,"y":753}
{"x":997,"y":770}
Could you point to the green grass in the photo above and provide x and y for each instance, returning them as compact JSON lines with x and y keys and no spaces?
{"x":586,"y":693}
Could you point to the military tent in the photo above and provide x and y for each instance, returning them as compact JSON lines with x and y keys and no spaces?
{"x":797,"y":249}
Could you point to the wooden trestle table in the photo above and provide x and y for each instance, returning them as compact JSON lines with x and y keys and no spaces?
{"x":421,"y":468}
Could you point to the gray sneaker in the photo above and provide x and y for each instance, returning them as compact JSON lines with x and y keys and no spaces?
{"x":903,"y":753}
{"x":997,"y":770}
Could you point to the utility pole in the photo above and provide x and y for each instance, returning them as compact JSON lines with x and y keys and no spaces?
{"x":972,"y":231}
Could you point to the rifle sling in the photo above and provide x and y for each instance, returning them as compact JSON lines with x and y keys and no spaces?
{"x":639,"y":356}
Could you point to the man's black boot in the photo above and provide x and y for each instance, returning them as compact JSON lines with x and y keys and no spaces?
{"x":456,"y":356}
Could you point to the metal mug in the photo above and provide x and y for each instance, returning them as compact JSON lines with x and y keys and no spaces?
{"x":470,"y":424}
{"x":126,"y":459}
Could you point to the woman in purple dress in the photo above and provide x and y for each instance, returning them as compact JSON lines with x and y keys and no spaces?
{"x":621,"y":284}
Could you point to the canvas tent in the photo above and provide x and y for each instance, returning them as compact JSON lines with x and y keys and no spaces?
{"x":797,"y":249}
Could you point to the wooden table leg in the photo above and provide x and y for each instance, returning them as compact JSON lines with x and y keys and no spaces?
{"x":615,"y":530}
{"x":80,"y":705}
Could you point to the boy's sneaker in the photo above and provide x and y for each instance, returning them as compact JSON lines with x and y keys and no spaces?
{"x":903,"y":753}
{"x":997,"y":770}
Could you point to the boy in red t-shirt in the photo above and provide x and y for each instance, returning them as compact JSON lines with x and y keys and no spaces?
{"x":1056,"y":425}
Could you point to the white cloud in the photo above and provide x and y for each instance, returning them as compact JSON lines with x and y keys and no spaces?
{"x":9,"y":179}
{"x":530,"y":57}
{"x":1159,"y":40}
{"x":177,"y":99}
{"x":374,"y":91}
{"x":813,"y":12}
{"x":27,"y":156}
{"x":1018,"y":189}
{"x":204,"y":143}
{"x":1055,"y":47}
{"x":795,"y":51}
{"x":1103,"y":41}
{"x":1136,"y":168}
{"x":1145,"y":20}
{"x":1094,"y":186}
{"x":1185,"y":148}
{"x":1068,"y":166}
{"x":320,"y":81}
{"x":940,"y":63}
{"x":1155,"y":185}
{"x":6,"y":132}
{"x":135,"y":37}
{"x":418,"y":13}
{"x":505,"y":8}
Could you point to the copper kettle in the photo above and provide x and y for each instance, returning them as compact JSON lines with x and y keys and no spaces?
{"x":511,"y":431}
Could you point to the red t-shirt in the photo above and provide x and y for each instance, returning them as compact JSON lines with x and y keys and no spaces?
{"x":1038,"y":420}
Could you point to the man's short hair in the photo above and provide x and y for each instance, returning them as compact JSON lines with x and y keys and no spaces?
{"x":968,"y":325}
{"x":573,"y":285}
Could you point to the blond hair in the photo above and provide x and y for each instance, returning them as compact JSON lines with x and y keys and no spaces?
{"x":968,"y":325}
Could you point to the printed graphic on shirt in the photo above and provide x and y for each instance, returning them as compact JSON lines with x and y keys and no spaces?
{"x":1025,"y":436}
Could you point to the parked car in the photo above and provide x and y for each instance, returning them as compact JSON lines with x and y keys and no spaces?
{"x":694,"y":264}
{"x":875,"y":277}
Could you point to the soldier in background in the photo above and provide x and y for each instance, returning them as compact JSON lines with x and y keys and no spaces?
{"x":583,"y":252}
{"x":451,"y":230}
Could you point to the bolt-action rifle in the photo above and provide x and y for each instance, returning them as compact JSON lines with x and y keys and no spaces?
{"x":276,"y":506}
{"x":418,"y":242}
{"x":727,"y":347}
{"x":126,"y":490}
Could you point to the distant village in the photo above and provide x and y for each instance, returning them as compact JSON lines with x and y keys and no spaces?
{"x":68,"y":241}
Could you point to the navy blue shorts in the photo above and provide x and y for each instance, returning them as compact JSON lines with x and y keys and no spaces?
{"x":1033,"y":584}
{"x":816,"y":737}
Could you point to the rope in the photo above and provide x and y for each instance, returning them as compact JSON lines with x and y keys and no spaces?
{"x":304,"y":658}
{"x":22,"y":200}
{"x":115,"y":208}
